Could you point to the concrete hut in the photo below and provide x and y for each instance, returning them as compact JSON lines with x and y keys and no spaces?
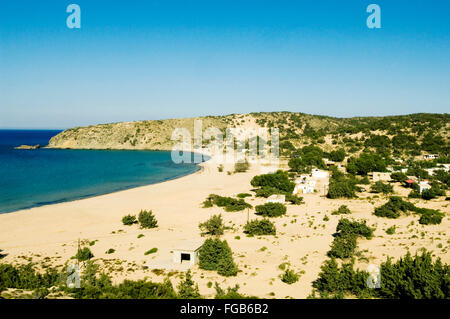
{"x":187,"y":252}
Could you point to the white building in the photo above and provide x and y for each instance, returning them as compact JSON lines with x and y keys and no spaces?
{"x":423,"y":186}
{"x":380,"y":176}
{"x":307,"y":187}
{"x":187,"y":252}
{"x":319,"y":174}
{"x":276,"y":199}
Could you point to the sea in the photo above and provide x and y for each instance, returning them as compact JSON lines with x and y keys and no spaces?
{"x":31,"y":178}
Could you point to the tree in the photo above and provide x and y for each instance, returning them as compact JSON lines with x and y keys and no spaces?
{"x":217,"y":255}
{"x":187,"y":289}
{"x":129,"y":220}
{"x":260,"y":227}
{"x":278,"y":181}
{"x":380,"y":187}
{"x":213,"y":226}
{"x":338,"y":155}
{"x":147,"y":219}
{"x":365,"y":163}
{"x":271,"y":209}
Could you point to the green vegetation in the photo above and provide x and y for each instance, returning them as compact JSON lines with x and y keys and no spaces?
{"x":228,"y":203}
{"x":243,"y":195}
{"x":230,"y":293}
{"x":380,"y":187}
{"x":390,"y":230}
{"x":151,"y":251}
{"x":260,"y":228}
{"x":271,"y":210}
{"x":337,"y":155}
{"x":342,"y":210}
{"x":430,"y":216}
{"x":306,"y":158}
{"x":394,"y":207}
{"x":84,"y":254}
{"x":365,"y":163}
{"x":147,"y":219}
{"x":344,"y":244}
{"x":110,"y":251}
{"x":129,"y":220}
{"x":274,"y":183}
{"x":289,"y":277}
{"x":241,"y":167}
{"x":187,"y":289}
{"x":341,"y":186}
{"x":410,"y":277}
{"x":217,"y":255}
{"x":213,"y":226}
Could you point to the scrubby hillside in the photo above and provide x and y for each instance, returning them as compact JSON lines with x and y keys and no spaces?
{"x":407,"y":134}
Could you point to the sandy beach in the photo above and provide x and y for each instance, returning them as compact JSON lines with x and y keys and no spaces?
{"x":50,"y":233}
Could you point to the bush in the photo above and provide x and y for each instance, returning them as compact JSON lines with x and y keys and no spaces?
{"x":231,"y":293}
{"x":213,"y":226}
{"x":432,"y":192}
{"x":151,"y":251}
{"x":278,"y":181}
{"x":110,"y":251}
{"x":294,"y":199}
{"x":244,"y":195}
{"x":230,"y":204}
{"x":343,"y":209}
{"x":241,"y":167}
{"x":393,"y":208}
{"x":344,"y":244}
{"x":289,"y":277}
{"x":338,"y":155}
{"x":147,"y":219}
{"x":399,"y":177}
{"x":129,"y":220}
{"x":390,"y":230}
{"x":84,"y":254}
{"x":187,"y":289}
{"x":430,"y":216}
{"x":380,"y":187}
{"x":271,"y":209}
{"x":217,"y":255}
{"x":260,"y":227}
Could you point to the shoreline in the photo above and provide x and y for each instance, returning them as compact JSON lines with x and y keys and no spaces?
{"x":303,"y":236}
{"x":76,"y":198}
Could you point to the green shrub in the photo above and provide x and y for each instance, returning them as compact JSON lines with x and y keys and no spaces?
{"x":289,"y":277}
{"x":84,"y":254}
{"x":129,"y":220}
{"x":393,"y":208}
{"x":271,"y":209}
{"x":244,"y":195}
{"x":390,"y":230}
{"x":241,"y":167}
{"x":399,"y":177}
{"x":343,"y":209}
{"x":110,"y":251}
{"x":432,"y":192}
{"x":213,"y":226}
{"x":151,"y":251}
{"x":430,"y":216}
{"x":187,"y":289}
{"x":278,"y":182}
{"x":217,"y":255}
{"x":231,"y":293}
{"x":260,"y":227}
{"x":343,"y":246}
{"x":341,"y":189}
{"x":228,"y":203}
{"x":380,"y":187}
{"x":357,"y":228}
{"x":294,"y":199}
{"x":147,"y":219}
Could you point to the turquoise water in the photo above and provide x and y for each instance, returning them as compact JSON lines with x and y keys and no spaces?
{"x":30,"y":178}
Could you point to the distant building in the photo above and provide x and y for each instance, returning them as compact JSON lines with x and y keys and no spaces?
{"x":410,"y":182}
{"x":430,"y":156}
{"x":319,"y":174}
{"x":276,"y":199}
{"x":423,"y":186}
{"x":187,"y":252}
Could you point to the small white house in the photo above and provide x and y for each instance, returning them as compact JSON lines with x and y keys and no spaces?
{"x":276,"y":199}
{"x":319,"y":174}
{"x":187,"y":251}
{"x":423,"y":186}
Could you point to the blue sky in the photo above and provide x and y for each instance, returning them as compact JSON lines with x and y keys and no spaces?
{"x":137,"y":60}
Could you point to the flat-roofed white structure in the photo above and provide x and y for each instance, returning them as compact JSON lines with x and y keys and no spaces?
{"x":187,"y":251}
